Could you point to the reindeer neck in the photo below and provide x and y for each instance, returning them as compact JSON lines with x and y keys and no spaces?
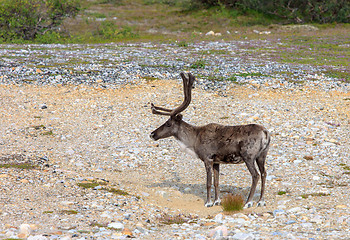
{"x":187,"y":134}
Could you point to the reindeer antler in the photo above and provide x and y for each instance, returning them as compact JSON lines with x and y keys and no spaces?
{"x":187,"y":87}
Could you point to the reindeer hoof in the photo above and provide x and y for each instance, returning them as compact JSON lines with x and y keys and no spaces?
{"x":261,"y":203}
{"x":217,"y":202}
{"x":248,"y":205}
{"x":209,"y":204}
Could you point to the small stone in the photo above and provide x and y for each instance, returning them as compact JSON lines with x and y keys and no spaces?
{"x":67,"y":203}
{"x":309,"y":158}
{"x":65,"y":238}
{"x":126,"y":231}
{"x":106,"y":215}
{"x":241,"y":215}
{"x":116,"y":225}
{"x":24,"y":231}
{"x":24,"y":181}
{"x":290,"y":222}
{"x":317,"y":219}
{"x":37,"y":237}
{"x":145,"y":194}
{"x":295,"y":210}
{"x":187,"y":190}
{"x":244,"y":236}
{"x":341,"y":206}
{"x":209,"y":224}
{"x":316,"y":178}
{"x":163,"y":194}
{"x":140,"y":228}
{"x":278,"y":212}
{"x":218,"y":218}
{"x":210,"y":33}
{"x":218,"y":232}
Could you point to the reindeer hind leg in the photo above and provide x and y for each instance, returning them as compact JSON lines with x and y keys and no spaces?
{"x":261,"y":165}
{"x":250,"y":163}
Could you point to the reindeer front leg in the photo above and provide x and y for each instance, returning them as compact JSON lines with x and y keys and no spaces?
{"x":208,"y":168}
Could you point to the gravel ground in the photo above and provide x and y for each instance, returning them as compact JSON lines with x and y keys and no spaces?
{"x":81,"y":115}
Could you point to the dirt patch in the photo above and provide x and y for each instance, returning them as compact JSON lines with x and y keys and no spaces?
{"x":102,"y":134}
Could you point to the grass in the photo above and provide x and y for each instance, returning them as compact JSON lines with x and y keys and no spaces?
{"x":344,"y":166}
{"x":90,"y":184}
{"x":232,"y":203}
{"x":19,"y":165}
{"x":94,"y":183}
{"x":69,"y":212}
{"x":173,"y":22}
{"x":48,"y":212}
{"x":198,"y":64}
{"x":116,"y":191}
{"x":104,"y":21}
{"x":233,"y":77}
{"x":314,"y":195}
{"x":280,"y":193}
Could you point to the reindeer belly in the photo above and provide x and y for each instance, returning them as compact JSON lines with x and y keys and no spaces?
{"x":228,"y":159}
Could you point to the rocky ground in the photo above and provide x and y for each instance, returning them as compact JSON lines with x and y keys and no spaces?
{"x":77,"y":162}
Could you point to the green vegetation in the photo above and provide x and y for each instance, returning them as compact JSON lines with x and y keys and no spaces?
{"x":344,"y":166}
{"x":116,"y":191}
{"x":198,"y":64}
{"x":91,"y":184}
{"x":232,"y":203}
{"x":31,"y":19}
{"x":96,"y":183}
{"x":48,"y":212}
{"x":315,"y":195}
{"x":99,"y":21}
{"x":69,"y":212}
{"x":280,"y":193}
{"x":19,"y":165}
{"x":183,"y":22}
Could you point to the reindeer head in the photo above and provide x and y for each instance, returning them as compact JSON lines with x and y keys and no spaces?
{"x":170,"y":127}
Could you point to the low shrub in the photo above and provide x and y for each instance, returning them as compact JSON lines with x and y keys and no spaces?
{"x":231,"y":203}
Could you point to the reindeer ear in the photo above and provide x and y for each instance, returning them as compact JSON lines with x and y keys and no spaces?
{"x":178,"y":117}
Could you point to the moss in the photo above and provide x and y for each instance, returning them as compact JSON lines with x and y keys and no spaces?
{"x":47,"y":212}
{"x":150,"y":79}
{"x":314,"y":195}
{"x":346,"y":168}
{"x":69,"y":212}
{"x":281,"y":193}
{"x":116,"y":191}
{"x":89,"y":184}
{"x":47,"y":133}
{"x":19,"y":165}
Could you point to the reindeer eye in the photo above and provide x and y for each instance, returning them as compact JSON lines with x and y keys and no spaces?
{"x":168,"y":124}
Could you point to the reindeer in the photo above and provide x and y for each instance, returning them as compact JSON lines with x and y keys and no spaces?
{"x":216,"y":144}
